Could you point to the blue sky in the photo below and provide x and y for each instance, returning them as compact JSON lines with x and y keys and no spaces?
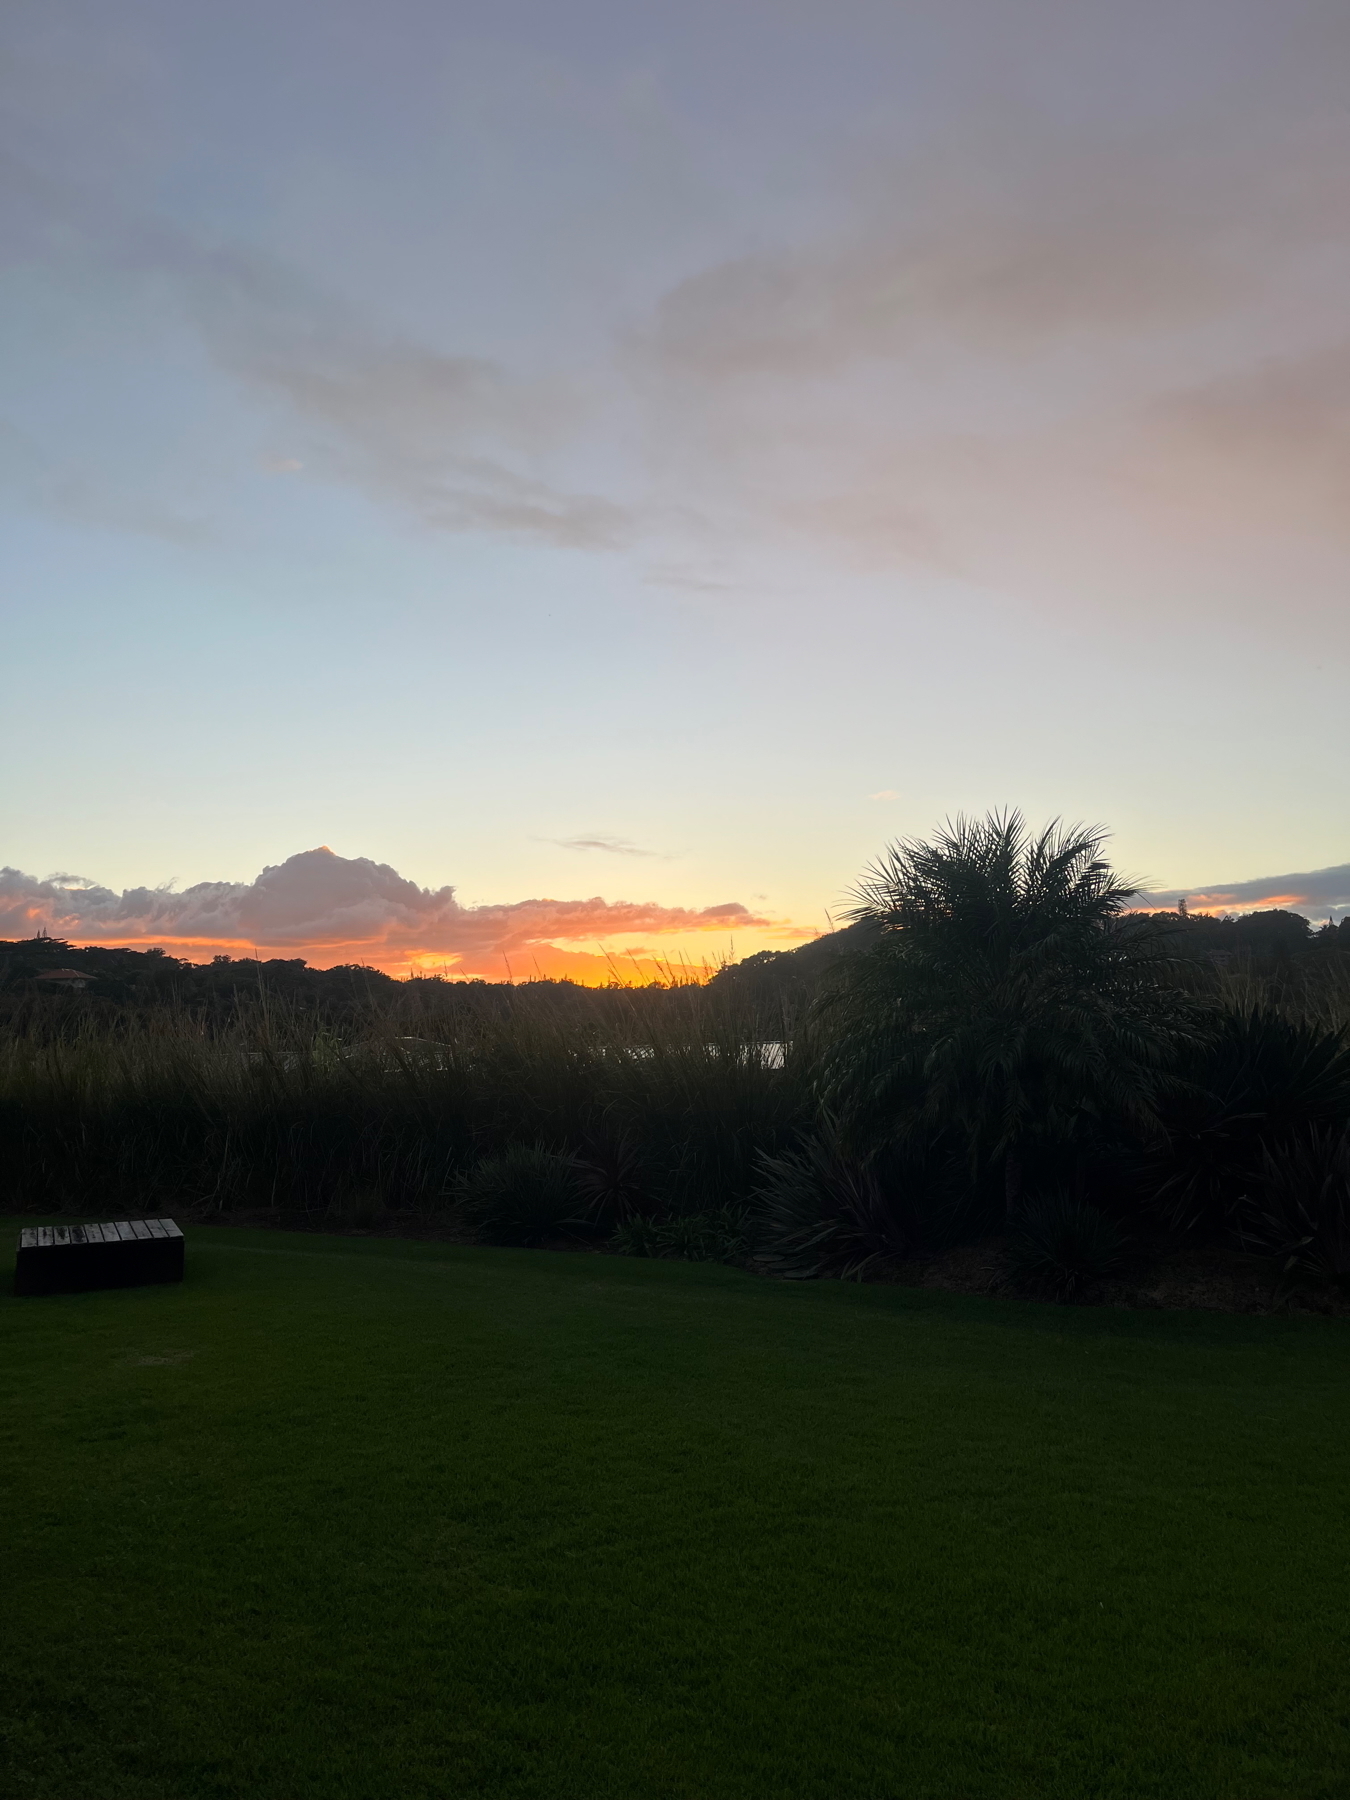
{"x":660,"y":454}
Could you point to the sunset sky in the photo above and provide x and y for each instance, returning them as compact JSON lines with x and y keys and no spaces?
{"x":601,"y":470}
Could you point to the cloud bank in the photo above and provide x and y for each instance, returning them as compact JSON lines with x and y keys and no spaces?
{"x":338,"y":909}
{"x":1317,"y":892}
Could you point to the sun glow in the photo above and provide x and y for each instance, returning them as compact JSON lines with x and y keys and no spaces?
{"x":1222,"y":904}
{"x":327,"y":909}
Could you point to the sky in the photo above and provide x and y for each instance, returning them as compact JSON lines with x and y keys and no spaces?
{"x":511,"y":486}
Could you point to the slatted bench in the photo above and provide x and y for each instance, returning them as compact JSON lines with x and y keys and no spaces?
{"x":69,"y":1259}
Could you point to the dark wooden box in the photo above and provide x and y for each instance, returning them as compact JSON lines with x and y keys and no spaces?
{"x":69,"y":1259}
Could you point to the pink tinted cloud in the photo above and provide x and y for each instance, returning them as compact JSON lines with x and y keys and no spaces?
{"x":334,"y":908}
{"x":1315,"y":892}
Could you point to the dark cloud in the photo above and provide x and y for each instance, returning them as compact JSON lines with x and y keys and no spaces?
{"x":1317,"y":892}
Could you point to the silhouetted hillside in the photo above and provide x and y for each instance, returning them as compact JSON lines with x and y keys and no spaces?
{"x":41,"y":971}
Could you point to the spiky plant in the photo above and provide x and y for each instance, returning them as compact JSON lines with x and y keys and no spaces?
{"x":1258,"y":1082}
{"x":638,"y":1236}
{"x":720,"y":1236}
{"x":821,"y":1211}
{"x":1299,"y":1209}
{"x":1060,"y":1248}
{"x":1009,"y":996}
{"x":525,"y":1195}
{"x":614,"y":1178}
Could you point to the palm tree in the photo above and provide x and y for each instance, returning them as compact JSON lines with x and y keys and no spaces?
{"x":1010,"y":999}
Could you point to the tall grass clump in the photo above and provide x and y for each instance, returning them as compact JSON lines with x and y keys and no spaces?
{"x":1298,"y":1210}
{"x":1258,"y":1081}
{"x":265,"y":1115}
{"x":1062,"y":1248}
{"x":527,"y":1194}
{"x":661,"y":1112}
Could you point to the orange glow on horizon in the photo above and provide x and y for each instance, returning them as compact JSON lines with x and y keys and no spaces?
{"x":530,"y":962}
{"x":547,"y":962}
{"x":1223,"y":906}
{"x":1219,"y":904}
{"x":327,"y":910}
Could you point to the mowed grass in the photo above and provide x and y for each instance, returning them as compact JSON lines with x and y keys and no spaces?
{"x":358,"y":1518}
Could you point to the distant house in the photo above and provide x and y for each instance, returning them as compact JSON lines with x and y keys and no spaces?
{"x":72,"y":980}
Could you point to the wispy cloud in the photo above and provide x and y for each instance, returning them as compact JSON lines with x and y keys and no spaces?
{"x":1080,"y":360}
{"x":684,"y":578}
{"x":994,"y":244}
{"x":1085,"y":308}
{"x":334,"y":908}
{"x":457,"y":440}
{"x":613,"y":846}
{"x":1271,"y":438}
{"x":70,"y":489}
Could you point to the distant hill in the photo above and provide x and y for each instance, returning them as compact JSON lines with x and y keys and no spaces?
{"x":1264,"y":940}
{"x":150,"y":977}
{"x":771,"y":979}
{"x":781,"y":975}
{"x":1261,"y":938}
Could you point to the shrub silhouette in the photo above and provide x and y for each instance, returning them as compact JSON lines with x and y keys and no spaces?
{"x":1062,"y":1247}
{"x":821,"y":1211}
{"x":1299,"y":1211}
{"x":1258,"y":1081}
{"x":525,"y":1195}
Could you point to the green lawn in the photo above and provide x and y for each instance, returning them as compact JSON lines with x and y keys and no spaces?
{"x":345,"y":1517}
